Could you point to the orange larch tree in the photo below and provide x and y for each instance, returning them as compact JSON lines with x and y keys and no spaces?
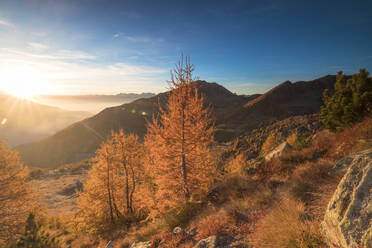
{"x":109,"y":193}
{"x":17,"y":197}
{"x":179,"y":142}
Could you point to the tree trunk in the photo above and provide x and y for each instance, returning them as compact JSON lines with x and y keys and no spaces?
{"x":183,"y":157}
{"x":109,"y":191}
{"x":132,"y":191}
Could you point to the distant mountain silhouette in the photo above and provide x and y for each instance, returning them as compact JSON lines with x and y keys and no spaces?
{"x":90,"y":103}
{"x":107,"y":98}
{"x":24,"y":121}
{"x":234,"y":115}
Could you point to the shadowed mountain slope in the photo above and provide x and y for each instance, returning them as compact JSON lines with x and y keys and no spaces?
{"x":283,"y":101}
{"x":234,"y":115}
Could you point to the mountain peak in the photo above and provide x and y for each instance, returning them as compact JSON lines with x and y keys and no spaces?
{"x":233,"y":114}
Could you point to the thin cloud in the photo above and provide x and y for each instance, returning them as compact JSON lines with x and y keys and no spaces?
{"x":37,"y":46}
{"x":71,"y":76}
{"x":142,"y":39}
{"x":6,"y":24}
{"x":69,"y":54}
{"x":117,"y":35}
{"x":59,"y":55}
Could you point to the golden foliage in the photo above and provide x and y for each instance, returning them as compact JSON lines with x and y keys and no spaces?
{"x":109,"y":195}
{"x":237,"y":165}
{"x":17,"y":198}
{"x":179,"y":143}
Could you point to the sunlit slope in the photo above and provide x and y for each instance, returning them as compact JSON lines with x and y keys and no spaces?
{"x":81,"y":139}
{"x":234,"y":115}
{"x":24,"y":121}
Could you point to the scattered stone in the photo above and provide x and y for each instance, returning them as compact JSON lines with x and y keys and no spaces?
{"x":347,"y":221}
{"x":210,"y":242}
{"x":177,"y":230}
{"x":109,"y":245}
{"x":278,"y":151}
{"x":146,"y":244}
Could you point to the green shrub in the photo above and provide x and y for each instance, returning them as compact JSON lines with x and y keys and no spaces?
{"x":297,"y":141}
{"x":351,"y":101}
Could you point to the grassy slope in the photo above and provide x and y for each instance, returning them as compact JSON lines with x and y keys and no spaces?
{"x":280,"y":204}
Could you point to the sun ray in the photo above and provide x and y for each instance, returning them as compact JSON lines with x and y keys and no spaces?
{"x":23,"y":81}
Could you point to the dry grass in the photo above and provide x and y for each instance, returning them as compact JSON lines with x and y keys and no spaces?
{"x":309,"y":185}
{"x":287,"y":225}
{"x":294,"y":191}
{"x":214,"y":224}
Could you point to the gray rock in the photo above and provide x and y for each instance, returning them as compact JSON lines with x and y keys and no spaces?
{"x":278,"y":151}
{"x":146,"y":244}
{"x":210,"y":242}
{"x":347,"y":221}
{"x":177,"y":230}
{"x":343,"y":164}
{"x":109,"y":245}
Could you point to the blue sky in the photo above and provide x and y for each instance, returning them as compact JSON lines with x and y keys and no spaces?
{"x":103,"y":46}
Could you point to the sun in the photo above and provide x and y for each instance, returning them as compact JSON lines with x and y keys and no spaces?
{"x":22,"y":81}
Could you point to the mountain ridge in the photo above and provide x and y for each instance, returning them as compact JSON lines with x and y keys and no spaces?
{"x":234,"y":115}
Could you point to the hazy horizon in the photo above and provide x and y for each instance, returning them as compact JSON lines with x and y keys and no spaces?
{"x":90,"y":103}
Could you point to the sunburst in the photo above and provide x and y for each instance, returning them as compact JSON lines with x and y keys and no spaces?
{"x":22,"y":81}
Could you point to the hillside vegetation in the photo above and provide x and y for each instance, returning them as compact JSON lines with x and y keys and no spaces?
{"x":270,"y":187}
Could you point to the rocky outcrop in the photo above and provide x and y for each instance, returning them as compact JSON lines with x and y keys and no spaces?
{"x":347,"y":221}
{"x":251,"y":142}
{"x":278,"y":151}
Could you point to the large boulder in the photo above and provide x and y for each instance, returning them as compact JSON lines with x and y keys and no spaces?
{"x":278,"y":151}
{"x":347,"y":221}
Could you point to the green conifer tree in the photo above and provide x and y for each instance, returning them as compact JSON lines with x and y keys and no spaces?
{"x":351,"y":101}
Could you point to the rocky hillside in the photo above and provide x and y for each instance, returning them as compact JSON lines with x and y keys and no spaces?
{"x":285,"y":100}
{"x":234,"y":115}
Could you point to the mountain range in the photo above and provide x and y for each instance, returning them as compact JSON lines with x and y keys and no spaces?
{"x":90,"y":103}
{"x":234,"y":115}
